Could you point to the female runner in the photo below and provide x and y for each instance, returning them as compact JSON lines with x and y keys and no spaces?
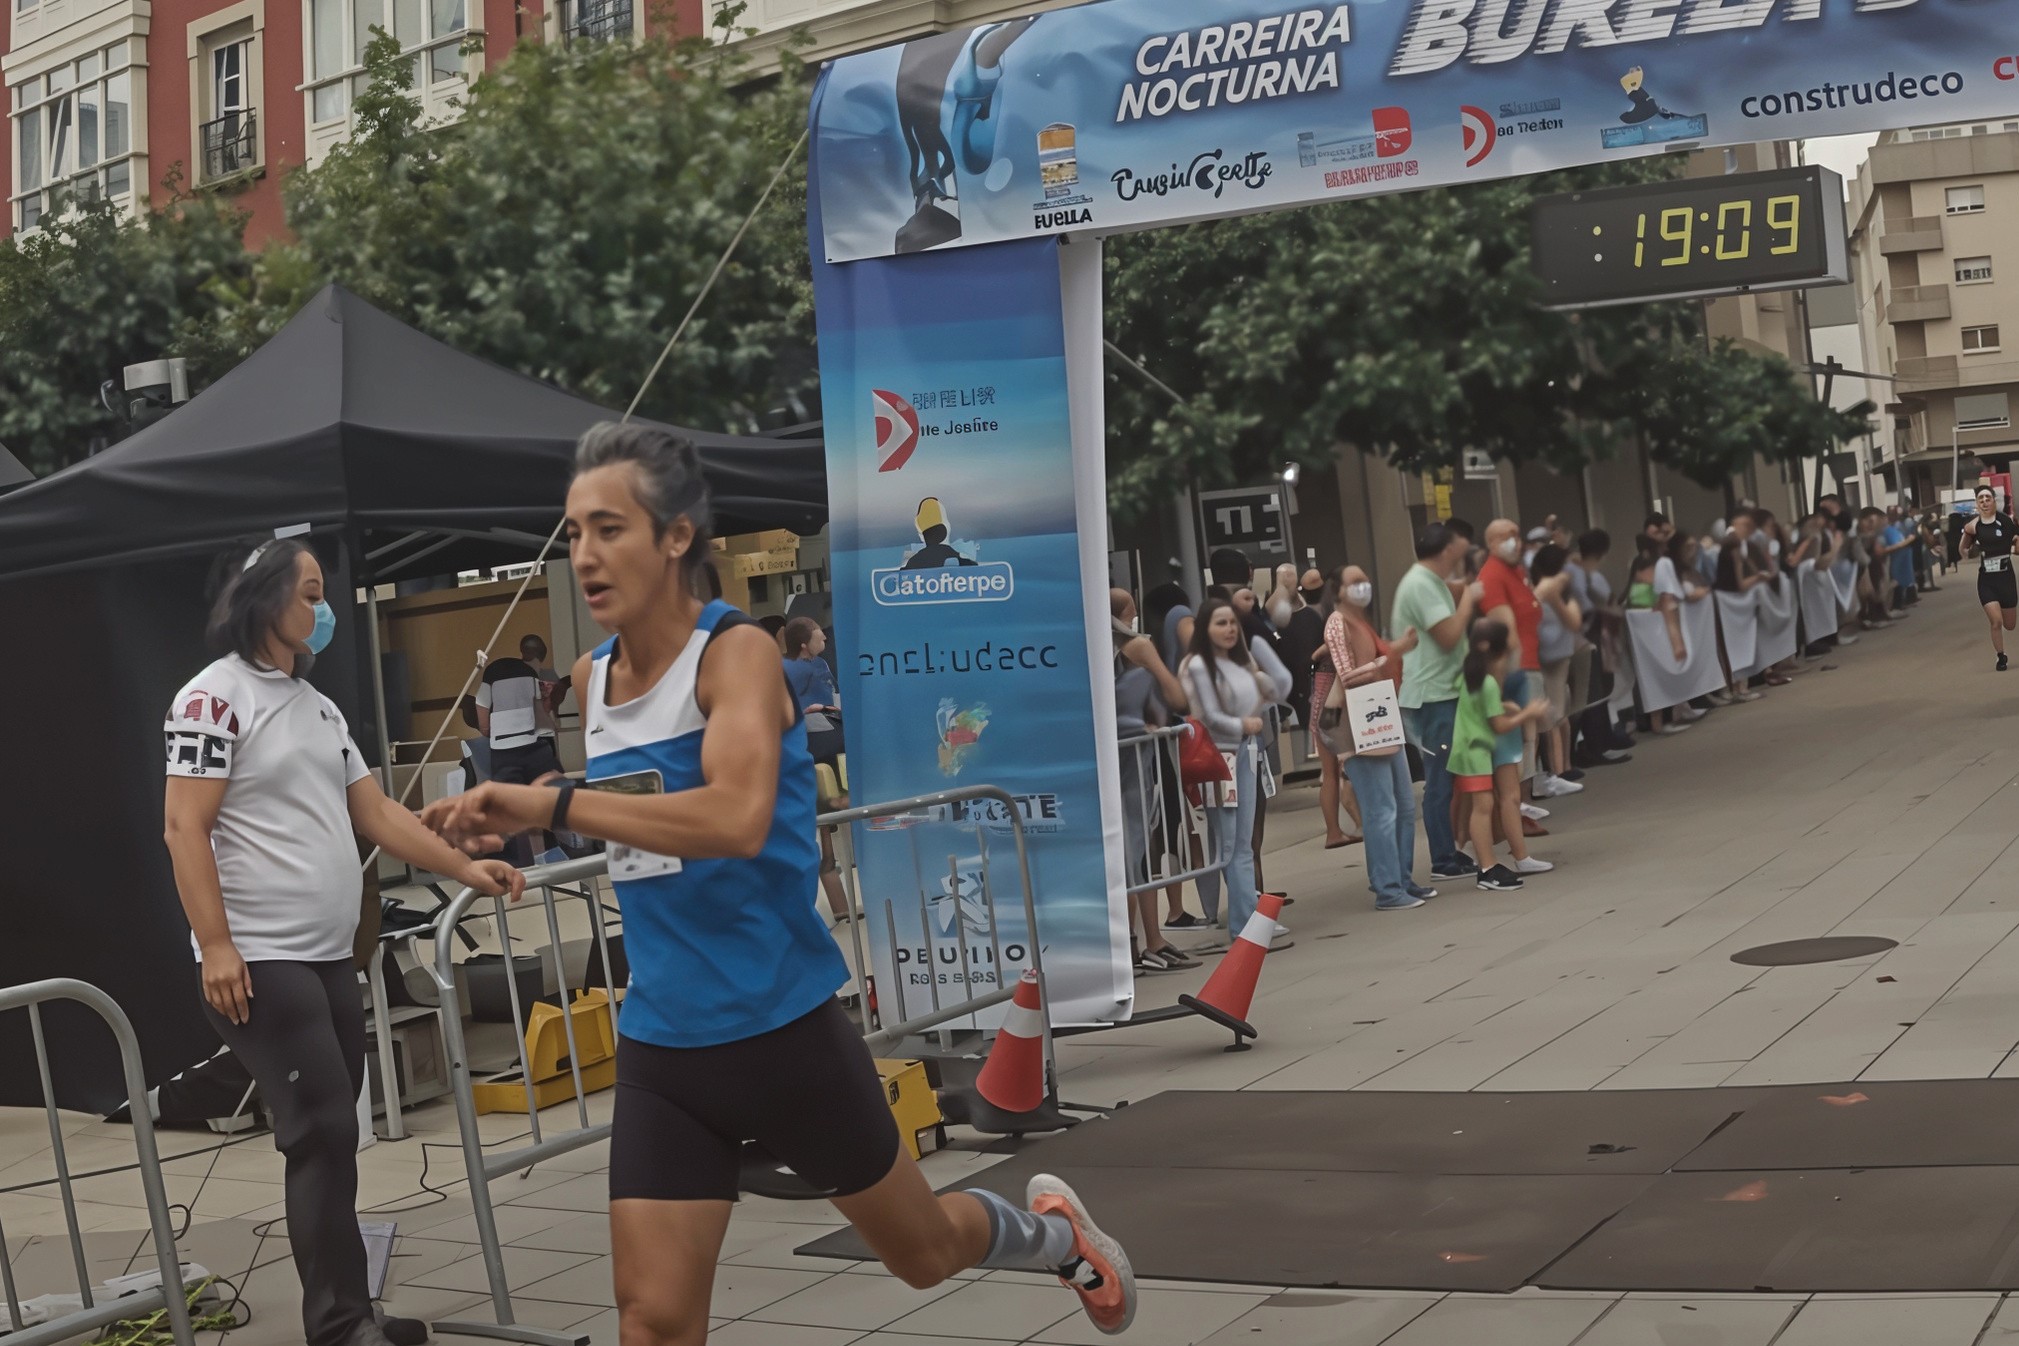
{"x":731,"y":1031}
{"x":1991,"y":534}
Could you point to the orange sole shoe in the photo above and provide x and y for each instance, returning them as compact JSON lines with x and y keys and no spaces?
{"x":1101,"y":1275}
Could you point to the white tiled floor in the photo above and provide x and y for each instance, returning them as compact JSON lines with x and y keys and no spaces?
{"x":1870,"y":798}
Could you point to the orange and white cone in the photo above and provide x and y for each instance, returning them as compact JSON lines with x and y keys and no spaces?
{"x":1013,"y":1077}
{"x":1229,"y":992}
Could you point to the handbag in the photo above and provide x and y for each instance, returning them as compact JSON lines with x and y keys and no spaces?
{"x":1375,"y":718}
{"x":1199,"y":762}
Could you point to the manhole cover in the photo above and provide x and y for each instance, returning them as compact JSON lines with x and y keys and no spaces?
{"x":1794,"y":952}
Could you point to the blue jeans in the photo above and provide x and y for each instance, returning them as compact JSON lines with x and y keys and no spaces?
{"x":1430,"y":727}
{"x":1234,"y":833}
{"x":1388,"y":818}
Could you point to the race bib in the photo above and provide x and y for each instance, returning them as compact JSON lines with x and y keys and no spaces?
{"x":1995,"y":564}
{"x":628,"y":862}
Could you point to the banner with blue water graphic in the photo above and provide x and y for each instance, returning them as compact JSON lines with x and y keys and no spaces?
{"x":1128,"y":113}
{"x":960,"y":612}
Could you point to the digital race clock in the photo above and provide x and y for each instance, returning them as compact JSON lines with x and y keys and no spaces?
{"x":1777,"y":230}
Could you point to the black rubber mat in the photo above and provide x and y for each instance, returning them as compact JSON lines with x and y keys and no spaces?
{"x":1893,"y":1124}
{"x":1894,"y":1187}
{"x":1904,"y":1230}
{"x":1829,"y":949}
{"x":1372,"y":1230}
{"x":1622,"y":1131}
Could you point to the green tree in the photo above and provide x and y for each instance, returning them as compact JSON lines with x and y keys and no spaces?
{"x":564,"y":224}
{"x":92,"y":291}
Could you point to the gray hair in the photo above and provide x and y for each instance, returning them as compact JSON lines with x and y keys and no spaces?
{"x":667,"y":478}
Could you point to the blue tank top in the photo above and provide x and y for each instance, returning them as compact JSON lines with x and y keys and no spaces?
{"x":720,"y":950}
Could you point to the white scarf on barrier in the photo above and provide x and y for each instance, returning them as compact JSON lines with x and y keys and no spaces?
{"x":1819,"y":602}
{"x":1775,"y":632}
{"x":1739,"y":621}
{"x":1663,"y":682}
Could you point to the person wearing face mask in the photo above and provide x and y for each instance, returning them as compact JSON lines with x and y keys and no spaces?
{"x":266,"y":794}
{"x":1380,"y":777}
{"x":1303,"y":637}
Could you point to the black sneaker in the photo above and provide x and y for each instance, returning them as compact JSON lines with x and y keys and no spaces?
{"x":1574,"y":774}
{"x":2001,"y":663}
{"x":1184,"y":920}
{"x":1500,"y":879}
{"x":1461,"y":868}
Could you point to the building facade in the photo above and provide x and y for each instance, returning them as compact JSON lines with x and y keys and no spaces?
{"x":1935,"y":260}
{"x":137,"y":99}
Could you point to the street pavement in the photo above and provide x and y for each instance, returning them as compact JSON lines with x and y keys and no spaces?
{"x":1872,"y":797}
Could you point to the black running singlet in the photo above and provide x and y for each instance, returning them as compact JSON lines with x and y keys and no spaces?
{"x":1996,"y":535}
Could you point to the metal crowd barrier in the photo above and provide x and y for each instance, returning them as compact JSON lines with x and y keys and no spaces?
{"x":1190,"y":847}
{"x":169,"y":1294}
{"x":484,"y":1167}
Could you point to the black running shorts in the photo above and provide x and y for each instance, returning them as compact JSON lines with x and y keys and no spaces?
{"x":1998,"y":586}
{"x":808,"y":1093}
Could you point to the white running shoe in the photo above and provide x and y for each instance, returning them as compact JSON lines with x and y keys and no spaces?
{"x":1530,"y":866}
{"x":1672,"y":729}
{"x":1535,"y":813}
{"x":1549,"y":786}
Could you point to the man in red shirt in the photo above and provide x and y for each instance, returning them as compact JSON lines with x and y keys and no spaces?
{"x":1508,"y":598}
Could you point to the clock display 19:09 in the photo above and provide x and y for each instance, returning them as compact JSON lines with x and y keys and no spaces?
{"x":1729,"y":237}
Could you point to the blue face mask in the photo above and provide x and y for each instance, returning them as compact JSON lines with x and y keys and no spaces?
{"x":325,"y":629}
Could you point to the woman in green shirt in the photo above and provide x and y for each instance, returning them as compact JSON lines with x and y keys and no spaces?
{"x":1485,"y":774}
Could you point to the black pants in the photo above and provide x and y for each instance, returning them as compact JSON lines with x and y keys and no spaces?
{"x":304,"y":1042}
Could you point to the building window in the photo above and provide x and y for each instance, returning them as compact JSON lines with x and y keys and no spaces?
{"x":1973,"y":270}
{"x":1984,"y":411}
{"x":340,"y":30}
{"x":1977,"y":340}
{"x":1966,"y":200}
{"x":228,"y":139}
{"x":595,"y":20}
{"x":73,"y":134}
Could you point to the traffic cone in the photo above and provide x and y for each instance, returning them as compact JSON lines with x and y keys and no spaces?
{"x":1010,"y":1094}
{"x":1229,"y":992}
{"x":1013,"y":1078}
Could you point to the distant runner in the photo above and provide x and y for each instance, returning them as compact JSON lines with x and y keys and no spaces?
{"x":1991,"y":534}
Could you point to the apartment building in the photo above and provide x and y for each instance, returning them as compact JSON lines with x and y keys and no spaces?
{"x":128,"y":99}
{"x":1935,"y":259}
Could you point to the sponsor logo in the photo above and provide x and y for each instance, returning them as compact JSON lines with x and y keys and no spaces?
{"x":1247,"y":61}
{"x":203,"y":708}
{"x":1392,"y":137}
{"x":1530,"y":107}
{"x":960,"y":733}
{"x":1062,"y":219}
{"x":1366,"y":173}
{"x":940,"y":570}
{"x":896,"y":429}
{"x":1646,"y":121}
{"x":1039,"y":813}
{"x":2006,"y":67}
{"x":197,"y":753}
{"x":1480,"y":133}
{"x":1210,"y":172}
{"x":1523,"y":117}
{"x":1891,"y":88}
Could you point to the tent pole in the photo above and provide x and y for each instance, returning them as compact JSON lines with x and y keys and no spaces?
{"x":385,"y":743}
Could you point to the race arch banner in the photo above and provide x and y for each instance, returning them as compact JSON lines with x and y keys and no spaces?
{"x":1125,"y":114}
{"x":968,"y":558}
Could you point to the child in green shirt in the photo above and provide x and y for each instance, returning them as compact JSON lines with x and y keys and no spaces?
{"x":1480,"y":775}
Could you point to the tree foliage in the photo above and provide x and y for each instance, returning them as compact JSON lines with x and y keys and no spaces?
{"x":90,"y":293}
{"x":564,"y":224}
{"x":1411,"y":325}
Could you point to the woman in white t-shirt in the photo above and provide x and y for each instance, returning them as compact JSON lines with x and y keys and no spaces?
{"x":266,"y":794}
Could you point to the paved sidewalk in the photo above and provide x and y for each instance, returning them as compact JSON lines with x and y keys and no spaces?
{"x":1873,"y":798}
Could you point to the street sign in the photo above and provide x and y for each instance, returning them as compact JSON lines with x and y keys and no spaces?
{"x":1479,"y":466}
{"x":1252,"y":520}
{"x":1692,"y":237}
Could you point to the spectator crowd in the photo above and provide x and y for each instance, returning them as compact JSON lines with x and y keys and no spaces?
{"x":1518,"y":670}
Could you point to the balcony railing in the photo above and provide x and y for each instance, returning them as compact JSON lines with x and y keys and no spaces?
{"x":595,"y":20}
{"x":230,"y":144}
{"x":1918,"y":303}
{"x":1920,"y":233}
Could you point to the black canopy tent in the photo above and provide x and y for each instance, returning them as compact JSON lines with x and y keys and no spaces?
{"x":404,"y":458}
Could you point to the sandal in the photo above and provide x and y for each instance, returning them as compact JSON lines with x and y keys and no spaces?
{"x":1349,"y":841}
{"x":1184,"y":920}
